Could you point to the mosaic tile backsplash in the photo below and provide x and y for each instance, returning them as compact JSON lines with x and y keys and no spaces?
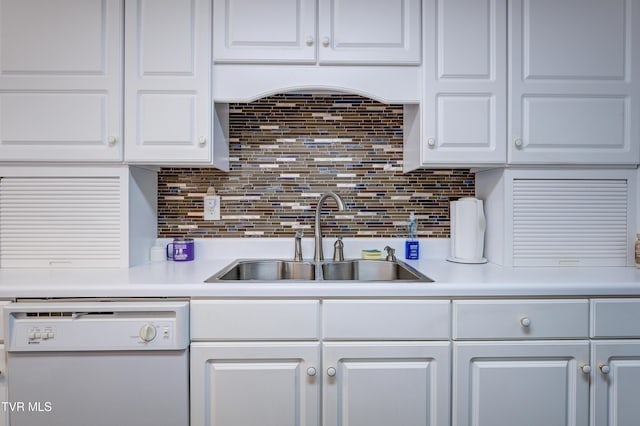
{"x":286,"y":150}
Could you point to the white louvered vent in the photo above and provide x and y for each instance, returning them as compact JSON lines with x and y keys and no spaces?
{"x":569,"y":222}
{"x":60,"y":221}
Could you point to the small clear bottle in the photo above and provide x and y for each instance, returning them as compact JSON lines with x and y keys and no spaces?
{"x":637,"y":250}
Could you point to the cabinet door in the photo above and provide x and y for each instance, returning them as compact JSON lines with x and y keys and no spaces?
{"x":465,"y":74}
{"x":264,"y":31}
{"x":573,"y":95}
{"x":386,"y":383}
{"x":616,"y":383}
{"x":369,"y":31}
{"x":255,"y":384}
{"x":4,"y":414}
{"x":167,"y":87}
{"x":521,"y":383}
{"x":60,"y":80}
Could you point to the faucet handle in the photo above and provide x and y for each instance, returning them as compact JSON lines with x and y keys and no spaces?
{"x":391,"y":254}
{"x":338,"y":250}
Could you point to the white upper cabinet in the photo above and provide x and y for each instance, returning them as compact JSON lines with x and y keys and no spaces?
{"x":574,"y":85}
{"x":342,"y":32}
{"x":465,"y":99}
{"x":60,"y":80}
{"x":75,"y":73}
{"x":167,"y":82}
{"x":264,"y":31}
{"x":369,"y":31}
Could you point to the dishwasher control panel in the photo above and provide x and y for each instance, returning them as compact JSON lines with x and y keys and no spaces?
{"x":41,"y":333}
{"x":86,"y":328}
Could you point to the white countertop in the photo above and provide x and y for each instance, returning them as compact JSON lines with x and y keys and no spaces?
{"x":186,"y":279}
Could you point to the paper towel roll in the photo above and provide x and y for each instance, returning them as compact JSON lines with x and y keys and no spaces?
{"x":467,"y":230}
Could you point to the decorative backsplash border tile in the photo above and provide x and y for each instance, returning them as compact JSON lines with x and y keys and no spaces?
{"x":286,"y":150}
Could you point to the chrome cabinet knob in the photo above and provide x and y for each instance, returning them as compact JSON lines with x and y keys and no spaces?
{"x":604,"y":368}
{"x":331,"y":372}
{"x":326,"y":41}
{"x":202,"y":141}
{"x":112,"y":140}
{"x":585,"y":368}
{"x":518,"y":143}
{"x":311,"y":371}
{"x":309,"y":41}
{"x":525,"y":322}
{"x":431,"y":143}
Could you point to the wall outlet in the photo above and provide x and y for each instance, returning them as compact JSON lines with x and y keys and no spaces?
{"x":211,"y":207}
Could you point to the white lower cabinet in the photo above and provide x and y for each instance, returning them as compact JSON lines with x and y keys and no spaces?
{"x":616,"y":383}
{"x":277,"y":369}
{"x":521,"y":383}
{"x":255,"y":362}
{"x":255,"y":384}
{"x":4,"y":413}
{"x":385,"y":383}
{"x":508,"y":371}
{"x":615,"y":360}
{"x":415,"y":362}
{"x":386,"y":362}
{"x":567,"y":362}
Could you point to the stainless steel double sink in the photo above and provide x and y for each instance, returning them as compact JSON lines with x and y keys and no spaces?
{"x":269,"y":270}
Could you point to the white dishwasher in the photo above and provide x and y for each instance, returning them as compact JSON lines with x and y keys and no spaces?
{"x":99,"y":363}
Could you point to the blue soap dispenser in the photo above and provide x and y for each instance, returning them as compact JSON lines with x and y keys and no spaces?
{"x":412,"y":246}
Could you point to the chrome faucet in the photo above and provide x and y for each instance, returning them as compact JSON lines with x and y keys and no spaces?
{"x":318,"y":255}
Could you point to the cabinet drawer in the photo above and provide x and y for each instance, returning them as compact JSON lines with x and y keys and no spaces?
{"x":615,"y":318}
{"x":520,"y":319}
{"x":386,"y":319}
{"x":255,"y":319}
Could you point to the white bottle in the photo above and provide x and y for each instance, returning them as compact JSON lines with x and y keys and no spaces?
{"x":157,"y":253}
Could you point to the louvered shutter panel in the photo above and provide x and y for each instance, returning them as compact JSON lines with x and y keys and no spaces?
{"x":569,"y":222}
{"x":60,"y":222}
